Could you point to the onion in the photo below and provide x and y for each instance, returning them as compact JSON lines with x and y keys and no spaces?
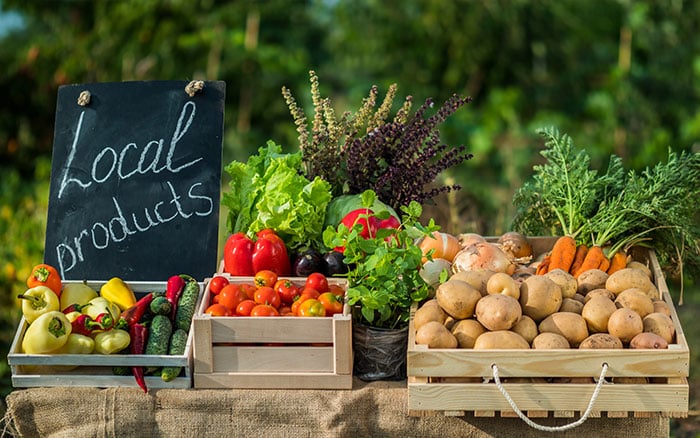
{"x":467,"y":239}
{"x":431,"y":270}
{"x":482,"y":256}
{"x":515,"y":244}
{"x":445,"y":246}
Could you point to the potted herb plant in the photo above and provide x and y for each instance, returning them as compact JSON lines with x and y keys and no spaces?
{"x":383,"y":283}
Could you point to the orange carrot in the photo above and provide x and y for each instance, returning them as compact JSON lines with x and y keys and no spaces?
{"x":604,"y":264}
{"x":580,"y":255}
{"x":563,"y":253}
{"x":543,"y":267}
{"x":593,"y":259}
{"x":617,"y":262}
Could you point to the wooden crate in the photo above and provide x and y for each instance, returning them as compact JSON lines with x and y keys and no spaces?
{"x":95,"y":370}
{"x":285,"y":352}
{"x":455,"y":381}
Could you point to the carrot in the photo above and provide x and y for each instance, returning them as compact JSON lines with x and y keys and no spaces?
{"x":604,"y":264}
{"x":617,"y":262}
{"x":563,"y":253}
{"x":581,"y":252}
{"x":543,"y":267}
{"x":593,"y":259}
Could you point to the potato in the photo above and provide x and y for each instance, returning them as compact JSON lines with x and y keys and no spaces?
{"x":596,"y":313}
{"x":566,"y":281}
{"x":498,"y":312}
{"x":635,"y":299}
{"x":571,"y":305}
{"x":570,"y":325}
{"x":580,"y":298}
{"x":549,"y":341}
{"x":539,"y":297}
{"x":598,"y":341}
{"x":648,"y":340}
{"x":661,"y":306}
{"x":641,"y":266}
{"x":628,"y":278}
{"x":661,"y":325}
{"x":466,"y":331}
{"x":501,"y":339}
{"x":429,"y":311}
{"x":625,"y":324}
{"x":599,"y":292}
{"x":477,"y":279}
{"x":502,"y":283}
{"x":457,"y":298}
{"x":435,"y":335}
{"x":526,"y":327}
{"x":591,"y":279}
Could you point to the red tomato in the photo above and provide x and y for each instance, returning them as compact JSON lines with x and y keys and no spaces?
{"x":317,"y":281}
{"x":267,"y":295}
{"x":310,"y":291}
{"x":265,"y":278}
{"x":218,"y":310}
{"x":311,"y":307}
{"x":249,"y":289}
{"x":217,"y":283}
{"x":331,"y":302}
{"x":244,"y":307}
{"x":285,"y":310}
{"x":231,"y":296}
{"x":287,"y":290}
{"x":300,"y":299}
{"x":336,"y":289}
{"x":264,"y":310}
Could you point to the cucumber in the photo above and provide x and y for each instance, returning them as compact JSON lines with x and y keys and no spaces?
{"x":186,"y":305}
{"x":158,"y":338}
{"x":178,"y":342}
{"x":161,"y":306}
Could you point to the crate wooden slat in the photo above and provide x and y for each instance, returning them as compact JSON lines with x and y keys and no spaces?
{"x":284,"y":352}
{"x":459,"y":380}
{"x":95,"y":370}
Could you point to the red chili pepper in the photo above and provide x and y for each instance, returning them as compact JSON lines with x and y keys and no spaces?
{"x":138,"y":334}
{"x":238,"y":255}
{"x":173,"y":290}
{"x":133,"y":314}
{"x":84,"y":325}
{"x":75,"y":308}
{"x":105,"y":321}
{"x":270,"y":253}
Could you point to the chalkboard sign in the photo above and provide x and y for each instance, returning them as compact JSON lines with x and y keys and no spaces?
{"x":136,"y":180}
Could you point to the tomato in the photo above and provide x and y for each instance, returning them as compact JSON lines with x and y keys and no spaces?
{"x":214,"y":299}
{"x":264,"y":310}
{"x":217,"y":283}
{"x":310,"y":291}
{"x":331,"y":302}
{"x":287,"y":290}
{"x":267,"y":295}
{"x":218,"y":310}
{"x":231,"y":295}
{"x":317,"y":281}
{"x":265,"y":278}
{"x":249,"y":289}
{"x":300,"y":299}
{"x":285,"y":310}
{"x":311,"y":307}
{"x":337,"y":289}
{"x":244,"y":307}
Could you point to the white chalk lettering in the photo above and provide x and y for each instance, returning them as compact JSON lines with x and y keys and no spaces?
{"x":177,"y":135}
{"x":65,"y":179}
{"x":97,"y":162}
{"x":205,"y":198}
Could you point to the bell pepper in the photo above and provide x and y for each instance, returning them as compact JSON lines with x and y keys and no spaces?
{"x":111,"y":341}
{"x":76,"y":293}
{"x":47,"y":333}
{"x":133,"y":314}
{"x":369,"y":222}
{"x":238,"y":255}
{"x":270,"y":253}
{"x":37,"y":301}
{"x":119,"y":293}
{"x":45,"y":275}
{"x":99,"y":305}
{"x":77,"y":344}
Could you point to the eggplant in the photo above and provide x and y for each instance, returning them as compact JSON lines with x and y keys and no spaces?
{"x":307,"y":262}
{"x":335,"y":263}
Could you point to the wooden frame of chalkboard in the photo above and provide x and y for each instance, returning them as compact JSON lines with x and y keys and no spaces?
{"x":136,"y":180}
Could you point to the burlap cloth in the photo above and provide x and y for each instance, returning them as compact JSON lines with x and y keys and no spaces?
{"x":377,"y":409}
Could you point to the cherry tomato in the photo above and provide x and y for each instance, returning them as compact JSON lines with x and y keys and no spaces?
{"x":311,"y":307}
{"x":267,"y":295}
{"x":317,"y":281}
{"x":218,"y":310}
{"x":249,"y":289}
{"x":336,"y":289}
{"x":265,"y":278}
{"x":231,"y":295}
{"x":217,"y":283}
{"x":244,"y":307}
{"x":287,"y":290}
{"x":331,"y":302}
{"x":264,"y":310}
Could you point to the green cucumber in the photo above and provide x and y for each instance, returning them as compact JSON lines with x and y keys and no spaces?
{"x":158,"y":338}
{"x":178,"y":342}
{"x":161,"y":306}
{"x":186,"y":305}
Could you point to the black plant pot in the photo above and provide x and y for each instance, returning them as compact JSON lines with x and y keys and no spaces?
{"x":379,"y":353}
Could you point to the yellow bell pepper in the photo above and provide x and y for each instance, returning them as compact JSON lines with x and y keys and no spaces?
{"x":112,"y":341}
{"x":37,"y":301}
{"x":118,"y":292}
{"x":47,"y":333}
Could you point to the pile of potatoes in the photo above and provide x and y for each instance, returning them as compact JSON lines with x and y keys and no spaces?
{"x":482,"y":309}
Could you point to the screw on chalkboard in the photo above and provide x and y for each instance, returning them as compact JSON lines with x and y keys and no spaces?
{"x":84,"y":98}
{"x":194,"y":87}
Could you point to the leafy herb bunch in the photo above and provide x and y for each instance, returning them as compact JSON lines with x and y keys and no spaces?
{"x":397,"y":159}
{"x":384,"y":270}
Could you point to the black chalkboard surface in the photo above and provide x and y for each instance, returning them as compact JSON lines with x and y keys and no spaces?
{"x":136,"y":181}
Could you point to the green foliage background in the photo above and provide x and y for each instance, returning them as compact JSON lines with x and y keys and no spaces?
{"x":619,"y":76}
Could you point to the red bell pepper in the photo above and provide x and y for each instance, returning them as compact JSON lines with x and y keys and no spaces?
{"x":364,"y":217}
{"x":238,"y":255}
{"x":245,"y":257}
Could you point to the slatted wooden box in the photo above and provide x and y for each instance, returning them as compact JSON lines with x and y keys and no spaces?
{"x":95,"y":370}
{"x":456,"y":381}
{"x":281,"y":352}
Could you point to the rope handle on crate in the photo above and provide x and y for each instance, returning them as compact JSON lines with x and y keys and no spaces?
{"x":564,"y":427}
